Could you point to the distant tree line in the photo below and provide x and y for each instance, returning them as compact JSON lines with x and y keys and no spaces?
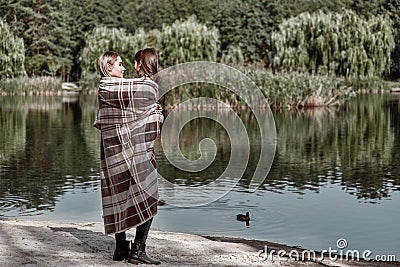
{"x":55,"y":33}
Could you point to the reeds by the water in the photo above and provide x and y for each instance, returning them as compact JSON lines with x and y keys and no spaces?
{"x":282,"y":90}
{"x":43,"y":85}
{"x":369,"y":85}
{"x":298,"y":90}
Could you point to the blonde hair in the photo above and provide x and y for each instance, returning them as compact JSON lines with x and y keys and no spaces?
{"x":108,"y":57}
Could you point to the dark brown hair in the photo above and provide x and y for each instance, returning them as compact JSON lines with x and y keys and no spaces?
{"x":147,"y":61}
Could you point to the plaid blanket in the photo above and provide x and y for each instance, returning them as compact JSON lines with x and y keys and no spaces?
{"x":129,"y":119}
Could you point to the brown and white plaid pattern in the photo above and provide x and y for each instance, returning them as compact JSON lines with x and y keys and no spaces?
{"x":129,"y":119}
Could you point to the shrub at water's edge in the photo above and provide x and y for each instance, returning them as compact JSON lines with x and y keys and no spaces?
{"x":89,"y":83}
{"x":282,"y":90}
{"x":297,"y":90}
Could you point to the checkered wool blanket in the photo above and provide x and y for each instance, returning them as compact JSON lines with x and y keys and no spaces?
{"x":129,"y":119}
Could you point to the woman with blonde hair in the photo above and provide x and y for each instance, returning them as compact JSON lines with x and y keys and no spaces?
{"x":129,"y":119}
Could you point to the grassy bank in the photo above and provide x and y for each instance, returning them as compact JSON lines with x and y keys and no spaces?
{"x":297,"y":90}
{"x":282,"y":89}
{"x":303,"y":90}
{"x":44,"y":85}
{"x":286,"y":90}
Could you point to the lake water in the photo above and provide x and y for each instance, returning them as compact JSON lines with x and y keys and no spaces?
{"x":336,"y":173}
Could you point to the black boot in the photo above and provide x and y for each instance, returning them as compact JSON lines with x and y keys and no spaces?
{"x":138,"y":255}
{"x":121,"y":247}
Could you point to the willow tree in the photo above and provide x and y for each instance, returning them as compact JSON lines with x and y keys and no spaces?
{"x":188,"y":40}
{"x":233,"y":56}
{"x":180,"y":42}
{"x":97,"y":41}
{"x":111,"y":39}
{"x":341,"y":44}
{"x":12,"y":53}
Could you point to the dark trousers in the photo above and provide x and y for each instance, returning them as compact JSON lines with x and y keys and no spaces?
{"x":142,"y":231}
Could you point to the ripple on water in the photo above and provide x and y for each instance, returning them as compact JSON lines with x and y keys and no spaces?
{"x":12,"y":206}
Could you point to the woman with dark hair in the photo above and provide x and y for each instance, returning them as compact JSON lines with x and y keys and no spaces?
{"x":146,"y":63}
{"x":129,"y":118}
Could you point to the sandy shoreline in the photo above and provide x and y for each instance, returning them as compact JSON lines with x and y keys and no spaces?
{"x":46,"y":243}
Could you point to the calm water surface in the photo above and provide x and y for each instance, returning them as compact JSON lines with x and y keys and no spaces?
{"x":336,"y":173}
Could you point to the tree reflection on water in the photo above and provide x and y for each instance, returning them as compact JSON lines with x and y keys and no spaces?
{"x":49,"y":147}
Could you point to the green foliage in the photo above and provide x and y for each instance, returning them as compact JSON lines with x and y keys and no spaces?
{"x":44,"y":85}
{"x":258,"y":20}
{"x":181,"y":42}
{"x":44,"y":65}
{"x":54,"y":31}
{"x":111,"y":39}
{"x":248,"y":25}
{"x":84,"y":16}
{"x":245,"y":24}
{"x":155,"y":14}
{"x":367,"y":8}
{"x":43,"y":26}
{"x":12,"y":53}
{"x":186,"y":41}
{"x":292,"y":89}
{"x":341,"y":44}
{"x":367,"y":85}
{"x":99,"y":40}
{"x":282,"y":90}
{"x":233,"y":56}
{"x":392,"y":8}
